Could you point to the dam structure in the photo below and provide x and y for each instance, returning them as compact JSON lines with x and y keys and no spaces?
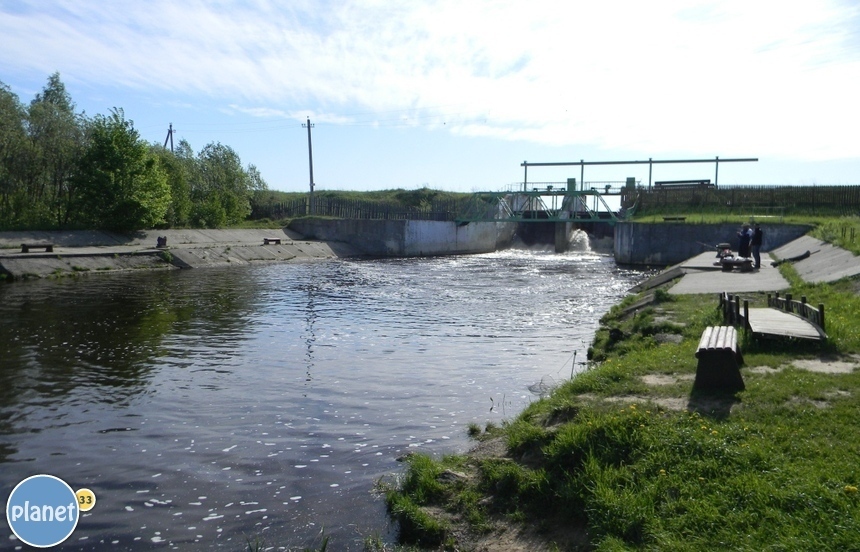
{"x":549,"y":212}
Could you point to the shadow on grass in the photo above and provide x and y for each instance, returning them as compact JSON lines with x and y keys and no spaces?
{"x":712,"y":404}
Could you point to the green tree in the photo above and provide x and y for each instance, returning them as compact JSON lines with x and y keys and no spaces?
{"x":56,"y":143}
{"x":221,"y":188}
{"x":13,"y":141}
{"x":177,"y":172}
{"x":122,"y":185}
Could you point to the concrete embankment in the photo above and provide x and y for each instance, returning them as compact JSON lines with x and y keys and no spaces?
{"x":672,"y":243}
{"x":80,"y":252}
{"x":410,"y":238}
{"x":814,"y":260}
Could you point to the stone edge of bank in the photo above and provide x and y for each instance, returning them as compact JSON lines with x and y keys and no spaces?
{"x":77,"y":253}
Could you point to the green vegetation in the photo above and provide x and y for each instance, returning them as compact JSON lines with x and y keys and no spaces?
{"x":382,"y":204}
{"x":626,"y":457}
{"x":418,"y":198}
{"x":63,"y":170}
{"x":121,"y":185}
{"x":772,"y":202}
{"x":843,"y":232}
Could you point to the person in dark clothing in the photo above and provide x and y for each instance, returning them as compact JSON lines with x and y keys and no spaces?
{"x":744,"y":237}
{"x":755,"y":244}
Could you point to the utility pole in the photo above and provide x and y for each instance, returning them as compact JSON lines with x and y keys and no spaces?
{"x":309,"y":126}
{"x":169,"y":137}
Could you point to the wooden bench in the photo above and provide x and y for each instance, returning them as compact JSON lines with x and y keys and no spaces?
{"x":674,"y":219}
{"x":26,"y":247}
{"x":683,"y":184}
{"x":276,"y":241}
{"x":720,"y":360}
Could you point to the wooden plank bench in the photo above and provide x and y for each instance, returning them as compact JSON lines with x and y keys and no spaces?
{"x":683,"y":184}
{"x":26,"y":247}
{"x":720,"y":360}
{"x":276,"y":241}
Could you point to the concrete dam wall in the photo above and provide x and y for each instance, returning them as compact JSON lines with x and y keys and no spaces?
{"x":79,"y":252}
{"x":409,"y":238}
{"x":671,"y":243}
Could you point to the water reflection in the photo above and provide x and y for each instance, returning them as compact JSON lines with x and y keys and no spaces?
{"x":310,"y":336}
{"x":64,"y":336}
{"x":203,"y":406}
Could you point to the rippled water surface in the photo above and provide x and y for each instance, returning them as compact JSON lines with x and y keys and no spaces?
{"x":208,"y":407}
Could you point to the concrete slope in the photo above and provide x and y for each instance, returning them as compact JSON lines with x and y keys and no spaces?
{"x":701,"y":275}
{"x":62,"y":238}
{"x":143,"y":238}
{"x":825,"y":263}
{"x":94,"y":252}
{"x":234,"y":255}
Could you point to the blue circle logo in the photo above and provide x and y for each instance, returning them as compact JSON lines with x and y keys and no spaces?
{"x":42,"y":511}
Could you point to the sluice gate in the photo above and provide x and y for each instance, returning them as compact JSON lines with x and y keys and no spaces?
{"x":543,"y":215}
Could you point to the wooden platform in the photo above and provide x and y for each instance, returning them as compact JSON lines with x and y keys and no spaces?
{"x":773,"y":322}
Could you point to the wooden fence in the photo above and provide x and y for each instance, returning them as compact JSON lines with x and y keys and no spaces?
{"x":736,"y":312}
{"x":754,"y":200}
{"x":442,"y":210}
{"x":800,"y":308}
{"x":743,"y":200}
{"x":732,"y":313}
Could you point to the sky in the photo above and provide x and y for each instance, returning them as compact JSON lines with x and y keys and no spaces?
{"x":457,"y":94}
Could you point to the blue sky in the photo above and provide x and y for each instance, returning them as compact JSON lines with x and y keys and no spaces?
{"x":456,"y":94}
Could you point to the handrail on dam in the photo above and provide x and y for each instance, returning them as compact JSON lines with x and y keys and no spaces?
{"x":546,"y":205}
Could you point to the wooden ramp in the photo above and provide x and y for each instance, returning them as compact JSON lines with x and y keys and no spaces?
{"x":773,"y":322}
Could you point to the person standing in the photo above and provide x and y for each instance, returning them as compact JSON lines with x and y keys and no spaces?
{"x":755,"y":244}
{"x":744,"y":237}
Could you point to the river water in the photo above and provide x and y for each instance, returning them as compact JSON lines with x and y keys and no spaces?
{"x":209,"y":408}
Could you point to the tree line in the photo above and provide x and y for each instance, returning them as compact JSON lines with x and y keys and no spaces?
{"x":60,"y":169}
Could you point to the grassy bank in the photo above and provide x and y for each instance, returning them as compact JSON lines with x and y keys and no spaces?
{"x":626,"y":457}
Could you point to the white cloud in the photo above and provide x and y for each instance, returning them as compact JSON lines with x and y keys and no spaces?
{"x":764,"y":78}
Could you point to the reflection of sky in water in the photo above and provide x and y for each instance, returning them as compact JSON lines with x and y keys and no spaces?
{"x":208,"y":406}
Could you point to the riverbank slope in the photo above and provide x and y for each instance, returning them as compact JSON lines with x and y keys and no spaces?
{"x":81,"y":252}
{"x":26,"y":255}
{"x":626,"y":455}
